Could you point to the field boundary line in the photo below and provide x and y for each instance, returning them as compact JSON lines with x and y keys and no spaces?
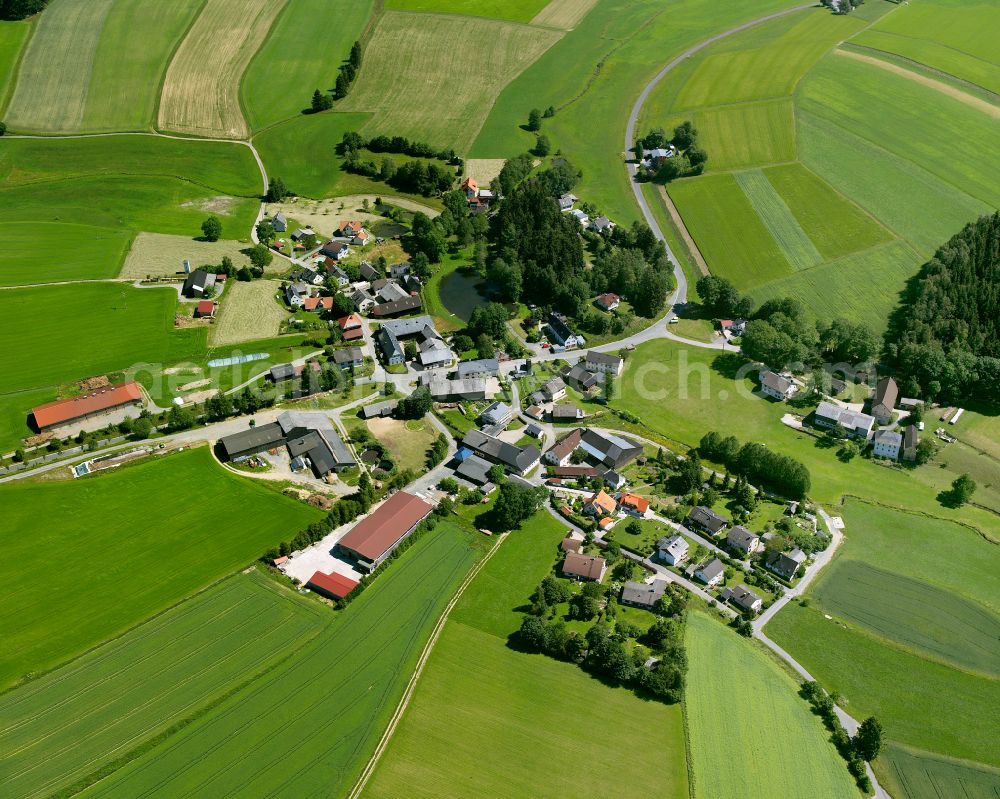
{"x":686,"y":236}
{"x":969,"y":100}
{"x":925,"y":514}
{"x":404,"y":701}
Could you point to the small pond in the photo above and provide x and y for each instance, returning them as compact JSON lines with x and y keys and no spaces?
{"x":461,"y":293}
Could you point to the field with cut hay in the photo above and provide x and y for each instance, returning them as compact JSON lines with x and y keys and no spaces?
{"x":248,"y":311}
{"x":417,"y":81}
{"x":201,"y":88}
{"x":163,"y":255}
{"x":563,"y":14}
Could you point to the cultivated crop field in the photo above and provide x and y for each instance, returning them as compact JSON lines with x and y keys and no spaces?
{"x":119,"y":547}
{"x":163,"y":255}
{"x":13,"y":35}
{"x":913,"y":774}
{"x":777,"y":218}
{"x":478,"y":694}
{"x":35,"y":252}
{"x":249,"y":311}
{"x":279,"y":82}
{"x":955,"y":38}
{"x":64,"y":728}
{"x":313,"y":721}
{"x":517,"y":10}
{"x":415,"y":76}
{"x":565,"y":14}
{"x":930,"y":709}
{"x":201,"y":87}
{"x":97,"y":66}
{"x":792,"y":759}
{"x":928,"y":621}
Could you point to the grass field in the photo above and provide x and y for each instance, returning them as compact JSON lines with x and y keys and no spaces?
{"x":249,"y":311}
{"x":833,"y":287}
{"x":163,"y":255}
{"x":415,"y":76}
{"x":792,"y":758}
{"x":309,"y":725}
{"x":516,"y":10}
{"x":777,"y":218}
{"x":823,"y":214}
{"x":202,"y":86}
{"x":565,"y":14}
{"x":745,"y":135}
{"x":35,"y":252}
{"x":407,"y":441}
{"x":146,"y":548}
{"x":913,"y":615}
{"x":913,"y":774}
{"x":13,"y":35}
{"x":745,"y":253}
{"x":70,"y":723}
{"x":279,"y":82}
{"x":953,"y":37}
{"x":477,"y":694}
{"x":929,"y":709}
{"x":52,"y":83}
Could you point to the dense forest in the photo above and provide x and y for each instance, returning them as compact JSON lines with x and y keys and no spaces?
{"x":944,"y":339}
{"x":19,"y":9}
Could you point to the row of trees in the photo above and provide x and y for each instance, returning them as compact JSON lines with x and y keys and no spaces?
{"x":944,"y":340}
{"x":758,"y":464}
{"x":323,"y":101}
{"x":866,"y":744}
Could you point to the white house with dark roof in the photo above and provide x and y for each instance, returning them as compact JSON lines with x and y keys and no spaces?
{"x":741,"y":539}
{"x":604,"y":362}
{"x":887,"y":444}
{"x":742,"y":597}
{"x":711,"y":573}
{"x":775,"y":386}
{"x":857,"y":424}
{"x":672,"y":550}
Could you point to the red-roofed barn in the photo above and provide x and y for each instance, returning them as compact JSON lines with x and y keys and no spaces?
{"x":74,"y":409}
{"x":374,"y":538}
{"x":332,"y":585}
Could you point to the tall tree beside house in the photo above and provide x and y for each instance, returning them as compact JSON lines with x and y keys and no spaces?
{"x":265,"y":231}
{"x":276,"y":190}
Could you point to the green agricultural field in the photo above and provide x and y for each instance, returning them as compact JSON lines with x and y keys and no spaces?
{"x":834,"y":285}
{"x":302,"y":152}
{"x":51,"y":90}
{"x":913,"y":615}
{"x":513,"y":704}
{"x":834,"y":224}
{"x":877,"y":105}
{"x":415,"y":77}
{"x":515,"y":10}
{"x":793,"y":757}
{"x":953,"y":37}
{"x":13,"y":35}
{"x":903,"y":194}
{"x":681,"y":393}
{"x":912,"y":774}
{"x":117,"y":548}
{"x":64,"y":728}
{"x":772,"y":210}
{"x":477,"y":695}
{"x":310,"y":724}
{"x":286,"y":70}
{"x":728,"y":231}
{"x":746,"y":135}
{"x":35,"y":252}
{"x":929,"y":709}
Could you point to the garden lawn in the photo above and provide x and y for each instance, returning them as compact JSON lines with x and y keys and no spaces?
{"x":516,"y":10}
{"x":68,"y":724}
{"x":201,"y":89}
{"x":407,"y":441}
{"x":783,"y":747}
{"x":119,"y":547}
{"x":136,"y":43}
{"x":35,"y":252}
{"x":914,"y":774}
{"x":415,"y":75}
{"x":953,"y":37}
{"x":13,"y":35}
{"x":320,"y":713}
{"x":728,"y":231}
{"x":832,"y":289}
{"x":930,"y":709}
{"x":286,"y":70}
{"x":477,"y":694}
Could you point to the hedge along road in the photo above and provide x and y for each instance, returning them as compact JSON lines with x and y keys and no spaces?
{"x":680,"y":294}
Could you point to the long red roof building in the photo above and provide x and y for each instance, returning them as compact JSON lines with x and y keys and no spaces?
{"x":333,"y":585}
{"x":374,"y":538}
{"x":104,"y":399}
